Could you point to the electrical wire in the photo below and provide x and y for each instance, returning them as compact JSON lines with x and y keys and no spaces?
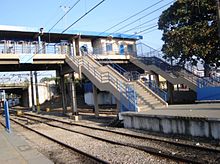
{"x":149,"y":28}
{"x":58,"y":9}
{"x":150,"y":31}
{"x":142,"y":17}
{"x":131,"y":17}
{"x":64,"y":15}
{"x":83,"y":16}
{"x":140,"y":25}
{"x":72,"y":25}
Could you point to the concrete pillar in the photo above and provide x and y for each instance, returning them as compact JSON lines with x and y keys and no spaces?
{"x":95,"y":97}
{"x":32,"y":91}
{"x":170,"y":89}
{"x":63,"y":94}
{"x":156,"y":76}
{"x":74,"y":47}
{"x":77,"y":48}
{"x":73,"y":95}
{"x":150,"y":77}
{"x":118,"y":105}
{"x":36,"y":90}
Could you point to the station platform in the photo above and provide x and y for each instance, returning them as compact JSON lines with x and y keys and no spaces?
{"x":14,"y":149}
{"x":198,"y":120}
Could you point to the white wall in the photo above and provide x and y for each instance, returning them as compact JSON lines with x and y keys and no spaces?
{"x":44,"y":93}
{"x":115,"y":44}
{"x":103,"y":98}
{"x":88,"y":42}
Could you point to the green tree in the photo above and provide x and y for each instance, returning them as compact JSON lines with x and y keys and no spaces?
{"x":190,"y":32}
{"x":44,"y":79}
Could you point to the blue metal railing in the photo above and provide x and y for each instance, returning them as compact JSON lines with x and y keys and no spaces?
{"x":208,"y":82}
{"x":154,"y":87}
{"x":130,"y":94}
{"x":127,"y":92}
{"x":155,"y":57}
{"x":134,"y":75}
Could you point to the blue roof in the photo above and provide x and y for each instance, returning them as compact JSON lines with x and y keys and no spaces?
{"x":71,"y":32}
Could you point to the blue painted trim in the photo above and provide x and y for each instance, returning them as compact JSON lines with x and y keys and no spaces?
{"x":71,"y":32}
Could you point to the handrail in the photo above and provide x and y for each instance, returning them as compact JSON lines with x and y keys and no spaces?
{"x":155,"y":57}
{"x":134,"y":75}
{"x":128,"y":90}
{"x":108,"y":77}
{"x":115,"y":66}
{"x":208,"y":82}
{"x":153,"y":86}
{"x":156,"y":53}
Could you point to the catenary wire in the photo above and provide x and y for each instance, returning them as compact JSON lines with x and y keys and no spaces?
{"x":140,"y":25}
{"x":64,"y":15}
{"x":131,"y":17}
{"x":142,"y":17}
{"x":73,"y":24}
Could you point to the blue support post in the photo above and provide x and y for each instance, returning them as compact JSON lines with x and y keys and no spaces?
{"x":7,"y":118}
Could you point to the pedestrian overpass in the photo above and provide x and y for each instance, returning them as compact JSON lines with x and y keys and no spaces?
{"x":102,"y":67}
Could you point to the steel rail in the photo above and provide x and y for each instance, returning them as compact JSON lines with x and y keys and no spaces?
{"x":199,"y":147}
{"x":62,"y":143}
{"x":146,"y":149}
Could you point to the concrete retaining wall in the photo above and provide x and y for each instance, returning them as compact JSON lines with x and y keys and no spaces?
{"x":198,"y":127}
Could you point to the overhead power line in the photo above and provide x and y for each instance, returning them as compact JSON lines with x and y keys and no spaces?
{"x":83,"y":16}
{"x":131,"y":17}
{"x":140,"y":25}
{"x":149,"y":31}
{"x":142,"y":17}
{"x":149,"y":28}
{"x":64,"y":15}
{"x":72,"y":25}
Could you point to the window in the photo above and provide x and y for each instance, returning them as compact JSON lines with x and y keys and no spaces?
{"x":130,"y":48}
{"x":108,"y":47}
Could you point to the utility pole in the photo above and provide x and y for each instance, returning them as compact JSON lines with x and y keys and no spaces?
{"x":37,"y":94}
{"x":218,"y":14}
{"x":32,"y":91}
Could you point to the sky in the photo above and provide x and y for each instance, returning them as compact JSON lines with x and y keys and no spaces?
{"x":46,"y":13}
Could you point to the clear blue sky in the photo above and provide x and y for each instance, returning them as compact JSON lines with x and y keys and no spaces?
{"x":45,"y":13}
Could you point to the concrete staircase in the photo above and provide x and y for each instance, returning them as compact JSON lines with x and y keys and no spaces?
{"x":150,"y":59}
{"x":147,"y":99}
{"x":171,"y":75}
{"x":107,"y":79}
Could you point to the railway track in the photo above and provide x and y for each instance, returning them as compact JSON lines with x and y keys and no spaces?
{"x":177,"y":143}
{"x":91,"y":158}
{"x":203,"y":154}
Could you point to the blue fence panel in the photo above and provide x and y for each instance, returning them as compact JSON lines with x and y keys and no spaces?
{"x":88,"y":87}
{"x":208,"y":93}
{"x":129,"y":103}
